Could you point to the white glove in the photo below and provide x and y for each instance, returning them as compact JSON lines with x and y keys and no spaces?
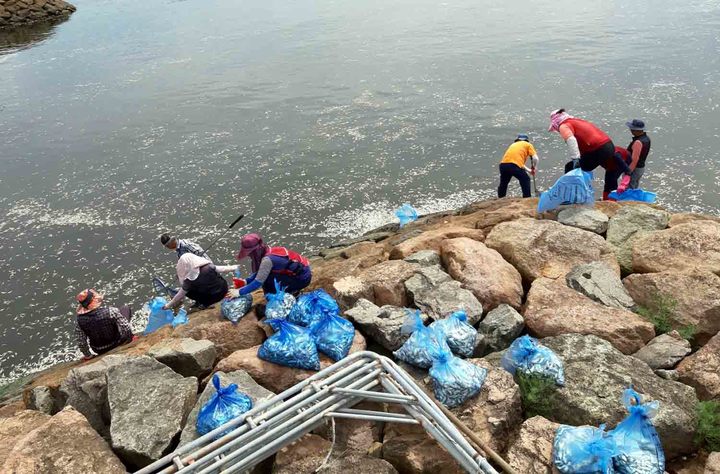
{"x":534,"y":160}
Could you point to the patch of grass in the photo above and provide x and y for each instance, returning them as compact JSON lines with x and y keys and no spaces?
{"x":708,"y":432}
{"x":536,"y":392}
{"x":660,"y":312}
{"x":688,"y":332}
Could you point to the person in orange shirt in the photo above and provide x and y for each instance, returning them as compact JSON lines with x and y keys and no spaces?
{"x":512,"y":165}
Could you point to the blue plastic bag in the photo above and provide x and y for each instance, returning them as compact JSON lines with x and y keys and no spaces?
{"x":279,"y":304}
{"x":455,"y":380}
{"x":574,"y":187}
{"x":233,"y":309}
{"x":158,"y":317}
{"x":638,"y":444}
{"x":291,"y":346}
{"x":311,"y":307}
{"x":583,"y":450}
{"x":422,"y":343}
{"x":459,"y":335}
{"x":180,"y":318}
{"x":333,"y":336}
{"x":406,"y":214}
{"x":224,"y":405}
{"x":634,"y":195}
{"x":528,"y":356}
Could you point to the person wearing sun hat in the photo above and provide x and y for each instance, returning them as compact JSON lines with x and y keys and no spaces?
{"x":268,"y":264}
{"x":639,"y":149}
{"x":512,"y":165}
{"x":588,"y":146}
{"x":100,"y":328}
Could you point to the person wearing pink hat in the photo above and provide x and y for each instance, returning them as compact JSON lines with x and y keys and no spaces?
{"x":268,"y":264}
{"x":588,"y":146}
{"x":100,"y":327}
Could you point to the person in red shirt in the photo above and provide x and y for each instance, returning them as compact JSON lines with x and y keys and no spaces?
{"x":588,"y":146}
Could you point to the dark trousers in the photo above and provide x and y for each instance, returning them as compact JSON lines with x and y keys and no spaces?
{"x":509,"y":171}
{"x":591,"y":160}
{"x":292,"y":283}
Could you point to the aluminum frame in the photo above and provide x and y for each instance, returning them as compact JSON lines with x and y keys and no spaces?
{"x":246,"y":441}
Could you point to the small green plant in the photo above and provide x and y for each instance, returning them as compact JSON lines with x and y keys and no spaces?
{"x":536,"y":392}
{"x":660,"y":312}
{"x":708,"y":431}
{"x":688,"y":332}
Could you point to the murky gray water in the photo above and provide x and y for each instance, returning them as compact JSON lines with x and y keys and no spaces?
{"x":317,"y":119}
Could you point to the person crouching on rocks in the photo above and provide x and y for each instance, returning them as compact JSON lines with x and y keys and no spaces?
{"x":100,"y":327}
{"x":268,"y":264}
{"x":200,"y":280}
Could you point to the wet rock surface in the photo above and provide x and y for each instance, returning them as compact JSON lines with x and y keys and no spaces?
{"x":14,"y":13}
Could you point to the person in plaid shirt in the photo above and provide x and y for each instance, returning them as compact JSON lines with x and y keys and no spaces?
{"x":98,"y":327}
{"x":182,"y":246}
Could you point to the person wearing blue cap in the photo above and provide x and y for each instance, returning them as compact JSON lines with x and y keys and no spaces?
{"x":639,"y":149}
{"x":512,"y":165}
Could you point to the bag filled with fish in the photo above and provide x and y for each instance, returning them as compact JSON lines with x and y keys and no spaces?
{"x":454,"y":380}
{"x":639,"y":448}
{"x":279,"y":304}
{"x":333,"y":335}
{"x":530,"y":357}
{"x":459,"y":335}
{"x":422,"y":343}
{"x":583,"y":450}
{"x":291,"y":346}
{"x":233,"y":309}
{"x":311,"y":307}
{"x":406,"y":214}
{"x":224,"y":405}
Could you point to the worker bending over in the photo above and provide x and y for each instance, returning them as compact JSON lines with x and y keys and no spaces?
{"x":512,"y":165}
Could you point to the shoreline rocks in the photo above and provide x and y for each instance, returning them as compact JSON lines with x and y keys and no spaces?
{"x":17,"y":13}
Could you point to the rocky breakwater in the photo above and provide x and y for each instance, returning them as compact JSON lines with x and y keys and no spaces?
{"x":601,"y":287}
{"x":14,"y":13}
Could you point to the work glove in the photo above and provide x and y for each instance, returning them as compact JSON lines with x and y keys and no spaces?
{"x":624,"y":183}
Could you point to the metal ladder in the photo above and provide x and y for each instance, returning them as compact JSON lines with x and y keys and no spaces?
{"x":330,"y":393}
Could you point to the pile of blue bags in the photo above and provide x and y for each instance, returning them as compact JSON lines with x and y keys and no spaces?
{"x":454,"y":380}
{"x":529,"y":357}
{"x":406,"y":214}
{"x":310,"y":326}
{"x":162,"y":317}
{"x":233,"y":309}
{"x":459,"y":335}
{"x":633,"y":447}
{"x":224,"y":405}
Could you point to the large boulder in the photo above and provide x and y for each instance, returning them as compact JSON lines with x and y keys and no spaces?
{"x":245,"y":384}
{"x":531,"y":451}
{"x":695,"y":296}
{"x":494,"y":414}
{"x":226,"y":336}
{"x":483,"y":271}
{"x":492,"y":213}
{"x":418,"y":454}
{"x":552,"y":309}
{"x":149,"y":404}
{"x":665,"y":351}
{"x":691,"y":246}
{"x":544,"y":248}
{"x":437,"y":295}
{"x":702,"y":370}
{"x":385,"y":282}
{"x":584,"y":218}
{"x":433,"y":239}
{"x":600,"y":283}
{"x":382,"y":325}
{"x":45,"y":399}
{"x":596,"y":374}
{"x":65,"y":444}
{"x":14,"y":428}
{"x":85,"y":389}
{"x":499,"y":329}
{"x":307,"y":454}
{"x":188,"y":357}
{"x":629,"y":223}
{"x":274,"y":377}
{"x":424,"y":258}
{"x":685,"y":217}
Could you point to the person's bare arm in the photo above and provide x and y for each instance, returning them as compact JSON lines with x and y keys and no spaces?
{"x":636,"y":150}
